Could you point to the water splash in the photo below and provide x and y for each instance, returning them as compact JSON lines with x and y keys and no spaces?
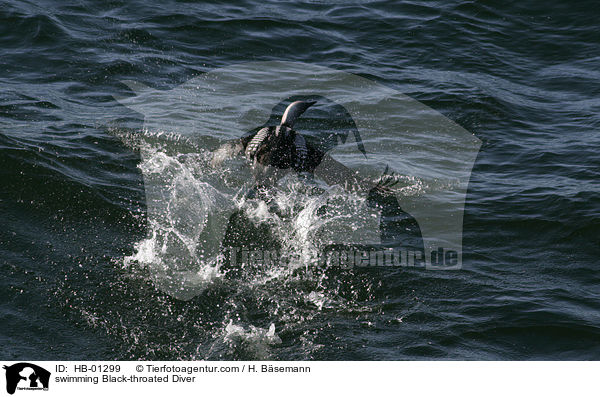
{"x":189,"y":204}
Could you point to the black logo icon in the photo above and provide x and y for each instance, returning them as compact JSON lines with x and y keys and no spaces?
{"x":29,"y":375}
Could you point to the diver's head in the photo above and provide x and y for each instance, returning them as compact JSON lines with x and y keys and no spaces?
{"x":293,"y":111}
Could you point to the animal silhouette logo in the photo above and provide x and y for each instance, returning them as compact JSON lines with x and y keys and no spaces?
{"x":432,"y":154}
{"x":26,"y":376}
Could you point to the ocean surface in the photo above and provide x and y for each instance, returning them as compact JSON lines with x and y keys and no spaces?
{"x":88,"y":271}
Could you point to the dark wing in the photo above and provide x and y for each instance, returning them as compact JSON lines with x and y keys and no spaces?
{"x":301,"y":152}
{"x":308,"y":156}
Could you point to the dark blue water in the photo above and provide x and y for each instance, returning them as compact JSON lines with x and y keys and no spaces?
{"x":523,"y":77}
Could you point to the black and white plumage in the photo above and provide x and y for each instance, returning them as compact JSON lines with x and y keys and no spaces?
{"x":255,"y":142}
{"x":281,"y":146}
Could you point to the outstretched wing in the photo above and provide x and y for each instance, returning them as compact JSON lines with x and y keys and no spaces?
{"x":255,"y":142}
{"x":301,"y":152}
